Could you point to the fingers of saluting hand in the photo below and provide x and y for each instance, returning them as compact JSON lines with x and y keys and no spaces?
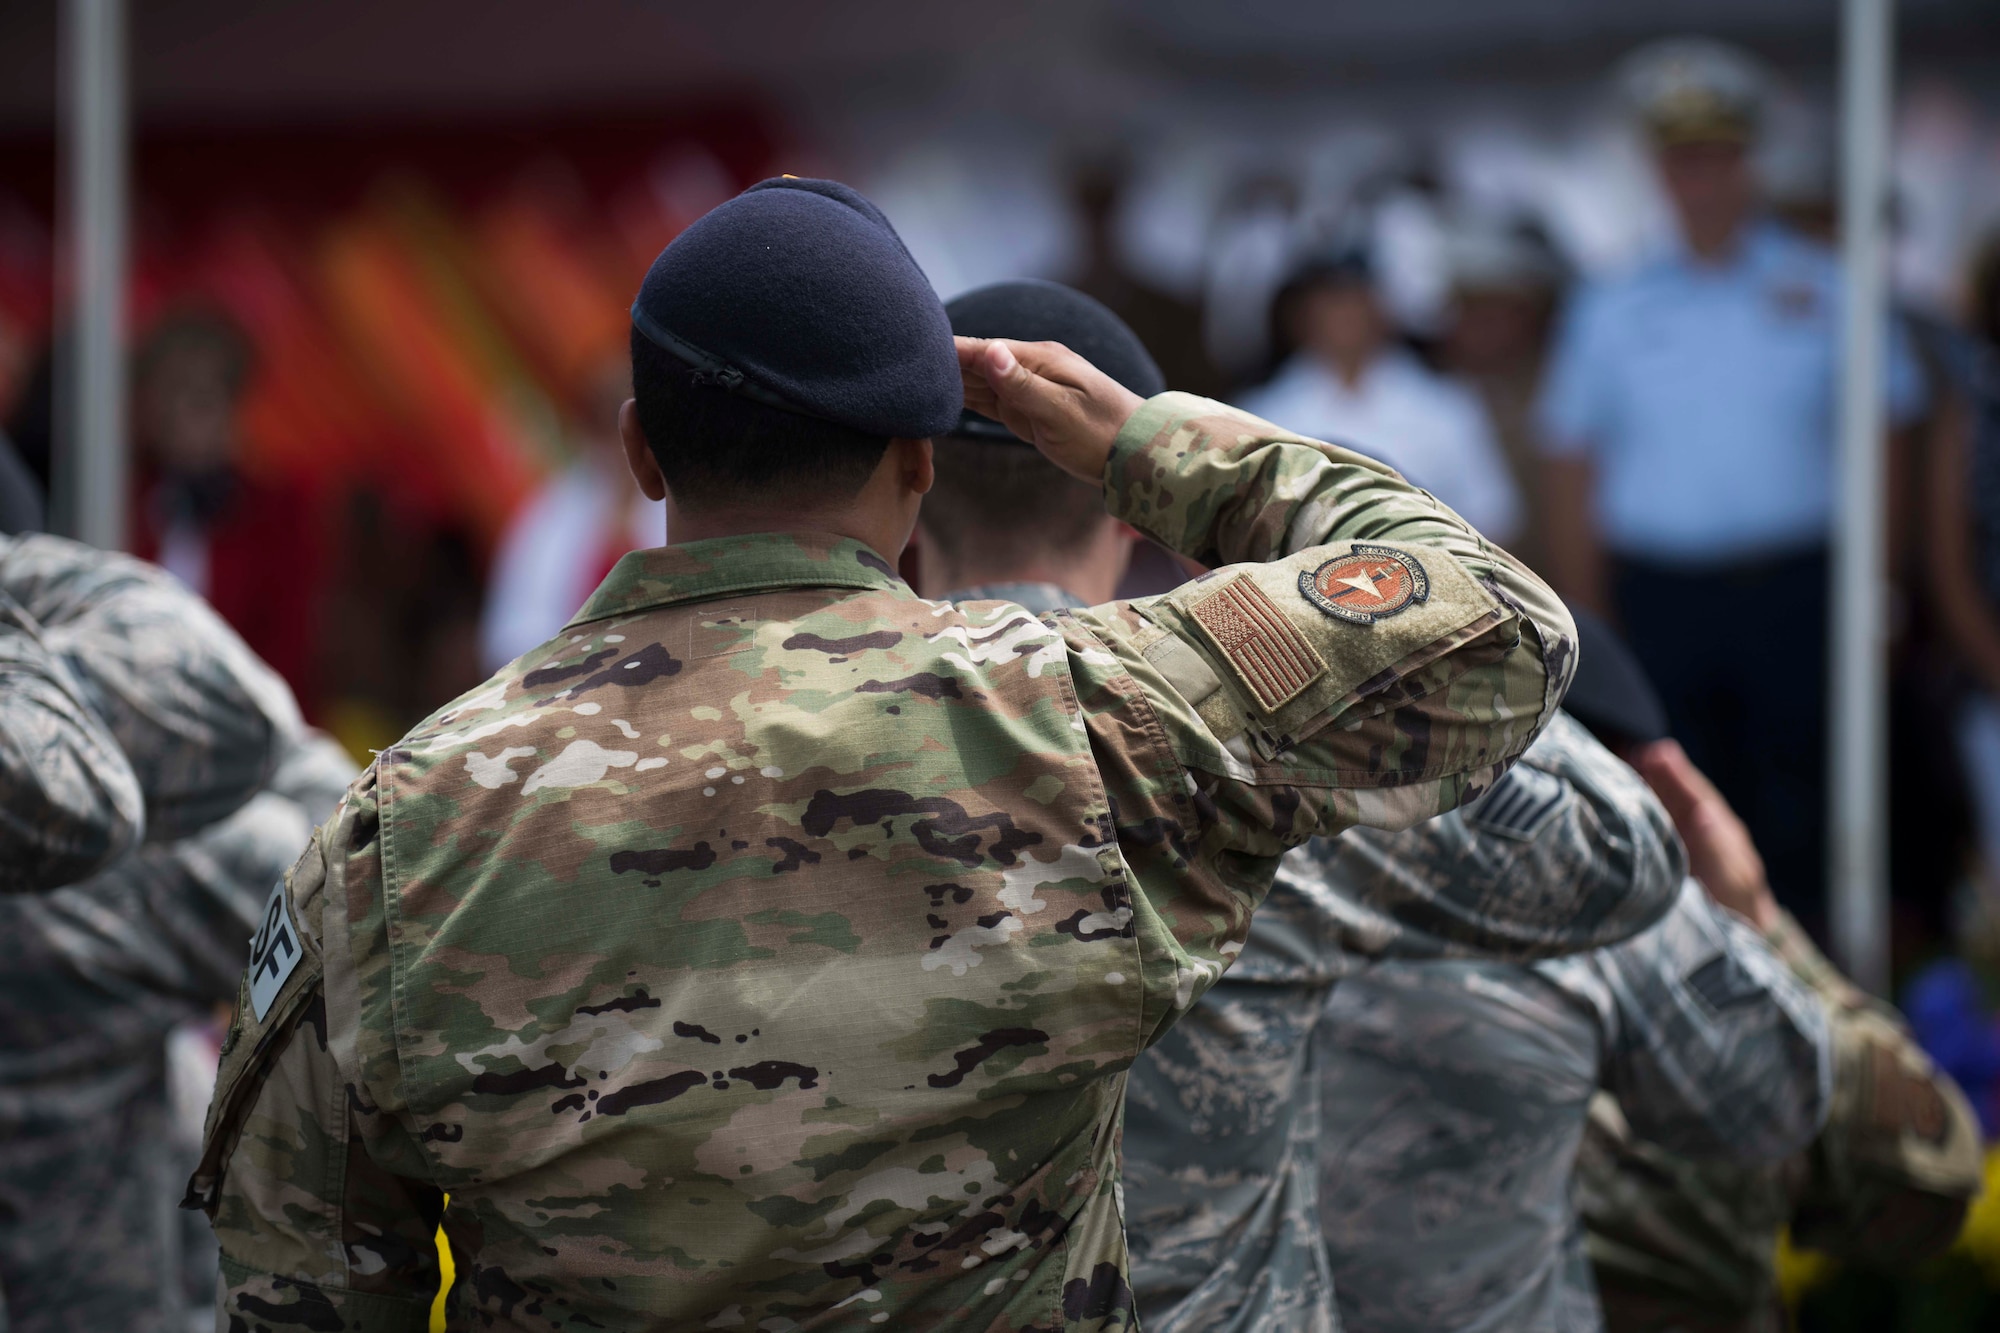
{"x":979,"y":395}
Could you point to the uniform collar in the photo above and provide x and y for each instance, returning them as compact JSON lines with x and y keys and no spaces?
{"x":759,"y":562}
{"x":1039,"y":598}
{"x":1762,"y":237}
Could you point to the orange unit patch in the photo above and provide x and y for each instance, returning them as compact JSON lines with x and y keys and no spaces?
{"x":1367,"y":584}
{"x":1263,"y":647}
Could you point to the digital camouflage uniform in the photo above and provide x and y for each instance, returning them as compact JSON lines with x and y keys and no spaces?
{"x":767,"y":951}
{"x":1224,"y":1121}
{"x":1679,"y":1244}
{"x":1456,"y":1095}
{"x":127,"y":709}
{"x":92,"y":978}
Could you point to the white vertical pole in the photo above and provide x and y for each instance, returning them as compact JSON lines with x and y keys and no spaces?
{"x":94,"y":32}
{"x":1858,"y":836}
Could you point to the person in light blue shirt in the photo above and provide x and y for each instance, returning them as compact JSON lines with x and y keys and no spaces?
{"x":1702,"y":392}
{"x":1687,"y":422}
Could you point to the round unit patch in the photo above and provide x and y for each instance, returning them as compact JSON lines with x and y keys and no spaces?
{"x":1367,"y":584}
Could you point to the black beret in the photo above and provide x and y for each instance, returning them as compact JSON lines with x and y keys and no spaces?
{"x":1030,"y":310}
{"x":1611,"y":693}
{"x":800,"y":295}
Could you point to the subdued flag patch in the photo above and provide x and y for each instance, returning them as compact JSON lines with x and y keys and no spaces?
{"x":1264,"y":648}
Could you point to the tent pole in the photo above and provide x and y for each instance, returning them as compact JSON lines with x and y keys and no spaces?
{"x":1858,"y":829}
{"x":96,"y":147}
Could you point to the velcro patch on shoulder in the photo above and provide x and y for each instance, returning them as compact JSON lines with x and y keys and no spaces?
{"x":1900,"y":1101}
{"x":1268,"y":653}
{"x":1518,"y":806}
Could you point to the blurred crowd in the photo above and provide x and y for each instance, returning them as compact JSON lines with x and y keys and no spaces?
{"x":1657,"y":441}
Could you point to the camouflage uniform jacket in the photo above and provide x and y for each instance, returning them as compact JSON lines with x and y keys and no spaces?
{"x":1685,"y":1244}
{"x":1457,"y":1094}
{"x":127,"y":709}
{"x":92,"y":977}
{"x":768,"y":950}
{"x":1224,"y":1121}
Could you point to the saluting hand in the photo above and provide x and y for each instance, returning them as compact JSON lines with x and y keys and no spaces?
{"x":1720,"y":851}
{"x":1049,"y":396}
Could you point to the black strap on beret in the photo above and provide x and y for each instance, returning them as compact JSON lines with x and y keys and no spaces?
{"x":972,"y":426}
{"x":711,"y":369}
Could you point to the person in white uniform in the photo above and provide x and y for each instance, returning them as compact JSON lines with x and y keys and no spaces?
{"x":1687,"y":420}
{"x":1349,"y":381}
{"x":559,"y":546}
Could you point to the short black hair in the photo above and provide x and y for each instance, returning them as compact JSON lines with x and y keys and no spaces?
{"x":717,"y":449}
{"x":1006,"y":504}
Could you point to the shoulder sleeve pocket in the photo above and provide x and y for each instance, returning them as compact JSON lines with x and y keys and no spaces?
{"x":283,"y":975}
{"x":1332,"y":632}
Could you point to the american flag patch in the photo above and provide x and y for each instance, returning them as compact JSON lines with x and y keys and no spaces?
{"x":1266,"y":650}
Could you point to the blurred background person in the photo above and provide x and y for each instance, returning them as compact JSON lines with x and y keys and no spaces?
{"x":1959,"y":531}
{"x":1098,"y":190}
{"x":23,"y":501}
{"x":1687,"y":419}
{"x":1962,"y":528}
{"x":1350,"y":382}
{"x":250,"y":545}
{"x":1506,"y":278}
{"x":560,"y":544}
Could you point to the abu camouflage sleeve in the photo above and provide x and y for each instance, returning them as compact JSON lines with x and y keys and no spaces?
{"x":1372,"y":661}
{"x":69,"y":802}
{"x":316,"y":1189}
{"x":198,"y":717}
{"x":1891,"y":1176}
{"x":1712,"y":1047}
{"x":1569,"y":851}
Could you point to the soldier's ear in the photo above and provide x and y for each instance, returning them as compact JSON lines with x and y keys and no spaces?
{"x":914,"y":463}
{"x":638,"y":454}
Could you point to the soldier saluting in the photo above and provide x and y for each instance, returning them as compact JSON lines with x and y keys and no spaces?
{"x":767,"y":950}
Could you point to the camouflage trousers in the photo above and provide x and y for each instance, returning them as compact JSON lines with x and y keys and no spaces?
{"x":90,"y":1237}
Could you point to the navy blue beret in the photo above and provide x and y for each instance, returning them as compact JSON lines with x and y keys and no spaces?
{"x":1030,"y":310}
{"x":799,"y":294}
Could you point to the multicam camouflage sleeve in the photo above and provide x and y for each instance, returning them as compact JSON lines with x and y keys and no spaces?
{"x":69,"y":801}
{"x":1359,"y":657}
{"x":318,"y":1195}
{"x":1900,"y":1159}
{"x":197,"y":716}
